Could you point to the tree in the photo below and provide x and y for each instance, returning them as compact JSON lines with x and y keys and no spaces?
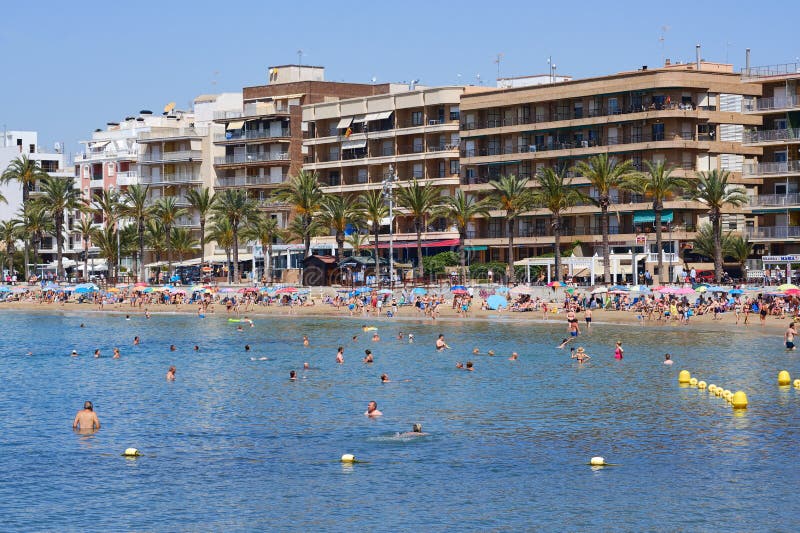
{"x":26,"y":172}
{"x":202,"y":200}
{"x":739,"y":249}
{"x":136,"y":207}
{"x":305,"y":196}
{"x":299,"y":230}
{"x":356,"y":240}
{"x":460,"y":209}
{"x":713,"y":190}
{"x":512,"y":196}
{"x":339,"y":212}
{"x":659,"y":184}
{"x":155,"y":238}
{"x":420,"y":202}
{"x":167,"y":211}
{"x":605,"y":174}
{"x":105,"y":238}
{"x":234,"y":205}
{"x":107,"y":204}
{"x":264,"y":229}
{"x":222,"y":233}
{"x":85,"y":226}
{"x":375,"y":211}
{"x":556,"y":194}
{"x":183,"y":243}
{"x":703,"y":243}
{"x":59,"y":196}
{"x":10,"y":233}
{"x":35,"y":222}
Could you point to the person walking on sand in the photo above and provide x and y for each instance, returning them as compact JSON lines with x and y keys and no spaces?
{"x":86,"y":419}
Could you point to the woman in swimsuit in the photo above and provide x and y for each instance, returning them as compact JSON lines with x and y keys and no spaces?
{"x":618,"y":350}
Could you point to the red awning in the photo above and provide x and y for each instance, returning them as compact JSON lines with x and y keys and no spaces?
{"x":447,"y":243}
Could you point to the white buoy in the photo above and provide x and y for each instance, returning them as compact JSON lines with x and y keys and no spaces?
{"x":131,"y":452}
{"x":597,"y":461}
{"x":348,"y":458}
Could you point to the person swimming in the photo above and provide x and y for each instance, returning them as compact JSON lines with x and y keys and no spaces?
{"x":368,"y":356}
{"x":306,"y":342}
{"x":440,"y":344}
{"x":416,"y":431}
{"x":384,"y":378}
{"x":514,"y":356}
{"x":564,"y":342}
{"x":410,"y":338}
{"x":292,"y":375}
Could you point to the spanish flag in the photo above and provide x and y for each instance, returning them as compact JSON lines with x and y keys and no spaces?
{"x":348,"y":132}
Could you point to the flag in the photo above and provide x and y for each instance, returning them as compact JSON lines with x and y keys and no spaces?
{"x":348,"y":132}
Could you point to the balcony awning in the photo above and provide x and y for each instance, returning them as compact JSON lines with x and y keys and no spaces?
{"x":445,"y":243}
{"x":344,"y":122}
{"x":649,"y":216}
{"x":235,"y":125}
{"x":383,"y":115}
{"x":349,"y":145}
{"x":99,"y":144}
{"x":476,"y":248}
{"x":359,"y":118}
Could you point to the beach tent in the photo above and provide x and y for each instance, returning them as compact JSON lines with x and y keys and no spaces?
{"x":496,"y":301}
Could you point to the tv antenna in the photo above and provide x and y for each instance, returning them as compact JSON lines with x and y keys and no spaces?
{"x":300,"y":57}
{"x":662,"y":39}
{"x":497,"y":60}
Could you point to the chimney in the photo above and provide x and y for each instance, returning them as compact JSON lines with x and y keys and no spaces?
{"x":747,"y":61}
{"x":667,"y":62}
{"x":697,"y":53}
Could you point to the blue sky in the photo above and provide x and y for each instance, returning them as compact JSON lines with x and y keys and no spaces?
{"x":70,"y":67}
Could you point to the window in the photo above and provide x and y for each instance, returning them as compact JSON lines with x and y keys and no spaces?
{"x":32,"y":148}
{"x":418,"y":171}
{"x":454,"y":167}
{"x":658,"y":132}
{"x":455,"y":114}
{"x":418,"y":145}
{"x":732,"y":225}
{"x":613,"y":106}
{"x":442,"y":167}
{"x":333,"y":154}
{"x":416,"y":118}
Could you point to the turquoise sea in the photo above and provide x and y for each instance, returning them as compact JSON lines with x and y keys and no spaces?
{"x":233,"y":445}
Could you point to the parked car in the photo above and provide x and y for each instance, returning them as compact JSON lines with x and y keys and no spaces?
{"x":706,"y":276}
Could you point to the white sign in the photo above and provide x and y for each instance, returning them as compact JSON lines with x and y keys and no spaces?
{"x":781,"y":259}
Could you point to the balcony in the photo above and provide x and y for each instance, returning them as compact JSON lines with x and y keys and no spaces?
{"x":251,"y":158}
{"x":764,"y":169}
{"x":127,"y":178}
{"x":774,"y":232}
{"x":771,"y":71}
{"x":188,"y":222}
{"x":182,"y":155}
{"x":222,"y":115}
{"x":771,"y":136}
{"x":172,"y":178}
{"x":775,"y":200}
{"x":251,"y":181}
{"x":172,"y":133}
{"x":779,"y":103}
{"x":251,"y":135}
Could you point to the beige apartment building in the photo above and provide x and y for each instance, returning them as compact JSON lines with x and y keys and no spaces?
{"x":358,"y":144}
{"x":776,"y":171}
{"x":689,"y":115}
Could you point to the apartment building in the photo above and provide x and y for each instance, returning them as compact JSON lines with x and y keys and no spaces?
{"x":776,"y":171}
{"x":688,"y":115}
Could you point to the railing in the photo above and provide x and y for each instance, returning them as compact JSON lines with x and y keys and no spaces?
{"x":127,"y":178}
{"x":771,"y":102}
{"x":168,"y":133}
{"x":172,"y":178}
{"x":774,"y":232}
{"x":242,"y":181}
{"x":761,"y":136}
{"x":251,"y":158}
{"x":775,"y":199}
{"x":667,"y":257}
{"x":768,"y":71}
{"x":181,"y":155}
{"x":250,"y":135}
{"x":783,"y":167}
{"x":188,"y":221}
{"x":222,"y":115}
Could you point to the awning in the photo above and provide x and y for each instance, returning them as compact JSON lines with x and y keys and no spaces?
{"x":344,"y":123}
{"x":349,"y":145}
{"x":475,"y":248}
{"x":379,"y":116}
{"x":649,"y":216}
{"x":235,"y":125}
{"x":446,"y":243}
{"x":359,"y":118}
{"x":99,"y":144}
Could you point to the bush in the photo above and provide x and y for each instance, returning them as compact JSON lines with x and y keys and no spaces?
{"x":435,"y":264}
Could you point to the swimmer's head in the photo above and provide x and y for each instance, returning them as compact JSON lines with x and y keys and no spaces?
{"x":667,"y":356}
{"x":246,"y":347}
{"x":417,"y":428}
{"x":88,"y":405}
{"x":475,"y":351}
{"x":384,"y":377}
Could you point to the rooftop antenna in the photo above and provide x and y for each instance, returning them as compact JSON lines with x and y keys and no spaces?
{"x":662,"y":39}
{"x":478,"y":77}
{"x":552,"y":67}
{"x":498,"y":59}
{"x":374,"y":79}
{"x":458,"y":78}
{"x":214,"y":79}
{"x":300,"y":57}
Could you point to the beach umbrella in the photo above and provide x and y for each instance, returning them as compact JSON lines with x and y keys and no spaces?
{"x":789,"y":292}
{"x":459,"y":291}
{"x":520,"y":289}
{"x":227,"y":290}
{"x":715,"y":288}
{"x":113,"y":289}
{"x":619,"y":288}
{"x":736,"y":292}
{"x":419,"y":290}
{"x":3,"y":288}
{"x":385,"y":291}
{"x":684,"y":290}
{"x":457,"y":288}
{"x":556,"y":284}
{"x":496,"y":301}
{"x":18,"y":290}
{"x":786,"y":286}
{"x":83,"y":290}
{"x":147,"y":290}
{"x":286,"y":290}
{"x":643,"y":289}
{"x":600,"y":290}
{"x":701,"y":289}
{"x":502,"y":289}
{"x":140,"y":284}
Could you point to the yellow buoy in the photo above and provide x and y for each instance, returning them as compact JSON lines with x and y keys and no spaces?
{"x":693,"y":382}
{"x":784,"y":378}
{"x":684,"y":376}
{"x":718,"y":391}
{"x":797,"y":383}
{"x":712,"y":388}
{"x":739,"y":400}
{"x":701,"y":384}
{"x":597,"y":461}
{"x":348,"y":458}
{"x":131,"y":452}
{"x":728,"y":395}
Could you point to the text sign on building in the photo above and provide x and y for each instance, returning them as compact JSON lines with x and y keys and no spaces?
{"x":781,"y":259}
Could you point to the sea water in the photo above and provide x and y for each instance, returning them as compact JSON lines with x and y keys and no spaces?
{"x":234,"y":445}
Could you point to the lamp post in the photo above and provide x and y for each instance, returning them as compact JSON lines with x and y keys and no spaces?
{"x":119,"y":259}
{"x":388,"y":194}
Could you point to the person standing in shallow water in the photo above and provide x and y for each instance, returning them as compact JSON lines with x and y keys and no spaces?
{"x":86,"y":419}
{"x":618,"y":351}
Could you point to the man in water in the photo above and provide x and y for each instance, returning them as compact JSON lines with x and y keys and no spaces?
{"x":86,"y":419}
{"x":416,"y":431}
{"x":136,"y":341}
{"x":171,"y":373}
{"x":368,"y":356}
{"x":514,"y":356}
{"x":440,"y":344}
{"x":384,"y":378}
{"x":667,"y":359}
{"x":372,"y":410}
{"x":74,"y":353}
{"x":788,"y":336}
{"x":340,"y":355}
{"x":97,"y":353}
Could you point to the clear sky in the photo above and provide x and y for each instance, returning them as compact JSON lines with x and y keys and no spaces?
{"x":70,"y":67}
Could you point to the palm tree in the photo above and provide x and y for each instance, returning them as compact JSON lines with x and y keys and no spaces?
{"x":374,"y":211}
{"x":167,"y":211}
{"x":740,"y":249}
{"x":605,"y":174}
{"x":460,"y":209}
{"x":713,"y":190}
{"x":305,"y":196}
{"x":703,"y":243}
{"x":105,"y":238}
{"x":183,"y":243}
{"x":511,"y":195}
{"x":339,"y":212}
{"x":107,"y":204}
{"x":26,"y":172}
{"x":356,"y":240}
{"x":35,"y":222}
{"x":202,"y":200}
{"x":10,"y":233}
{"x":556,"y":194}
{"x":136,"y":207}
{"x":59,"y":196}
{"x":222,"y":233}
{"x":155,"y":239}
{"x":659,"y":184}
{"x":85,"y":227}
{"x":421,"y":202}
{"x":234,"y":205}
{"x":264,"y":229}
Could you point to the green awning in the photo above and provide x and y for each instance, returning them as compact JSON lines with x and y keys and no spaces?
{"x":649,"y":216}
{"x":476,"y":248}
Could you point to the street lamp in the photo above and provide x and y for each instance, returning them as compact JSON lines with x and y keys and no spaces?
{"x":119,"y":259}
{"x":388,"y":194}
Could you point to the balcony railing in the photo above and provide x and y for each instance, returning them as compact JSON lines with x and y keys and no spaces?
{"x":775,"y":200}
{"x":770,"y":71}
{"x":769,"y":103}
{"x":774,"y":232}
{"x":173,"y":178}
{"x":182,"y":155}
{"x":130,"y":177}
{"x":168,"y":133}
{"x":762,"y":136}
{"x":783,"y":167}
{"x":242,"y":181}
{"x":222,"y":115}
{"x":251,"y":158}
{"x":250,"y":135}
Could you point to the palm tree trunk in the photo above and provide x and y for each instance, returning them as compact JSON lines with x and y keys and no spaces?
{"x":511,"y":276}
{"x":657,"y":211}
{"x":377,"y":232}
{"x":268,"y":262}
{"x":307,"y":236}
{"x":228,"y":258}
{"x":236,"y":253}
{"x":418,"y":228}
{"x":717,"y":228}
{"x":462,"y":255}
{"x":59,"y":219}
{"x":168,"y":230}
{"x":27,"y":263}
{"x":557,"y":239}
{"x":202,"y":243}
{"x":604,"y":227}
{"x":85,"y":260}
{"x":142,"y":269}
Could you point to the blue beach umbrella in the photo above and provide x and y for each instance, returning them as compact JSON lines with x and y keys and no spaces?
{"x":715,"y":288}
{"x":619,"y":288}
{"x":419,"y":290}
{"x":457,"y":288}
{"x":3,"y":288}
{"x":502,"y":289}
{"x":736,"y":292}
{"x":496,"y":301}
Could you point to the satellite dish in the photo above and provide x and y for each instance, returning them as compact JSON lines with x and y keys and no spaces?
{"x":169,"y":107}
